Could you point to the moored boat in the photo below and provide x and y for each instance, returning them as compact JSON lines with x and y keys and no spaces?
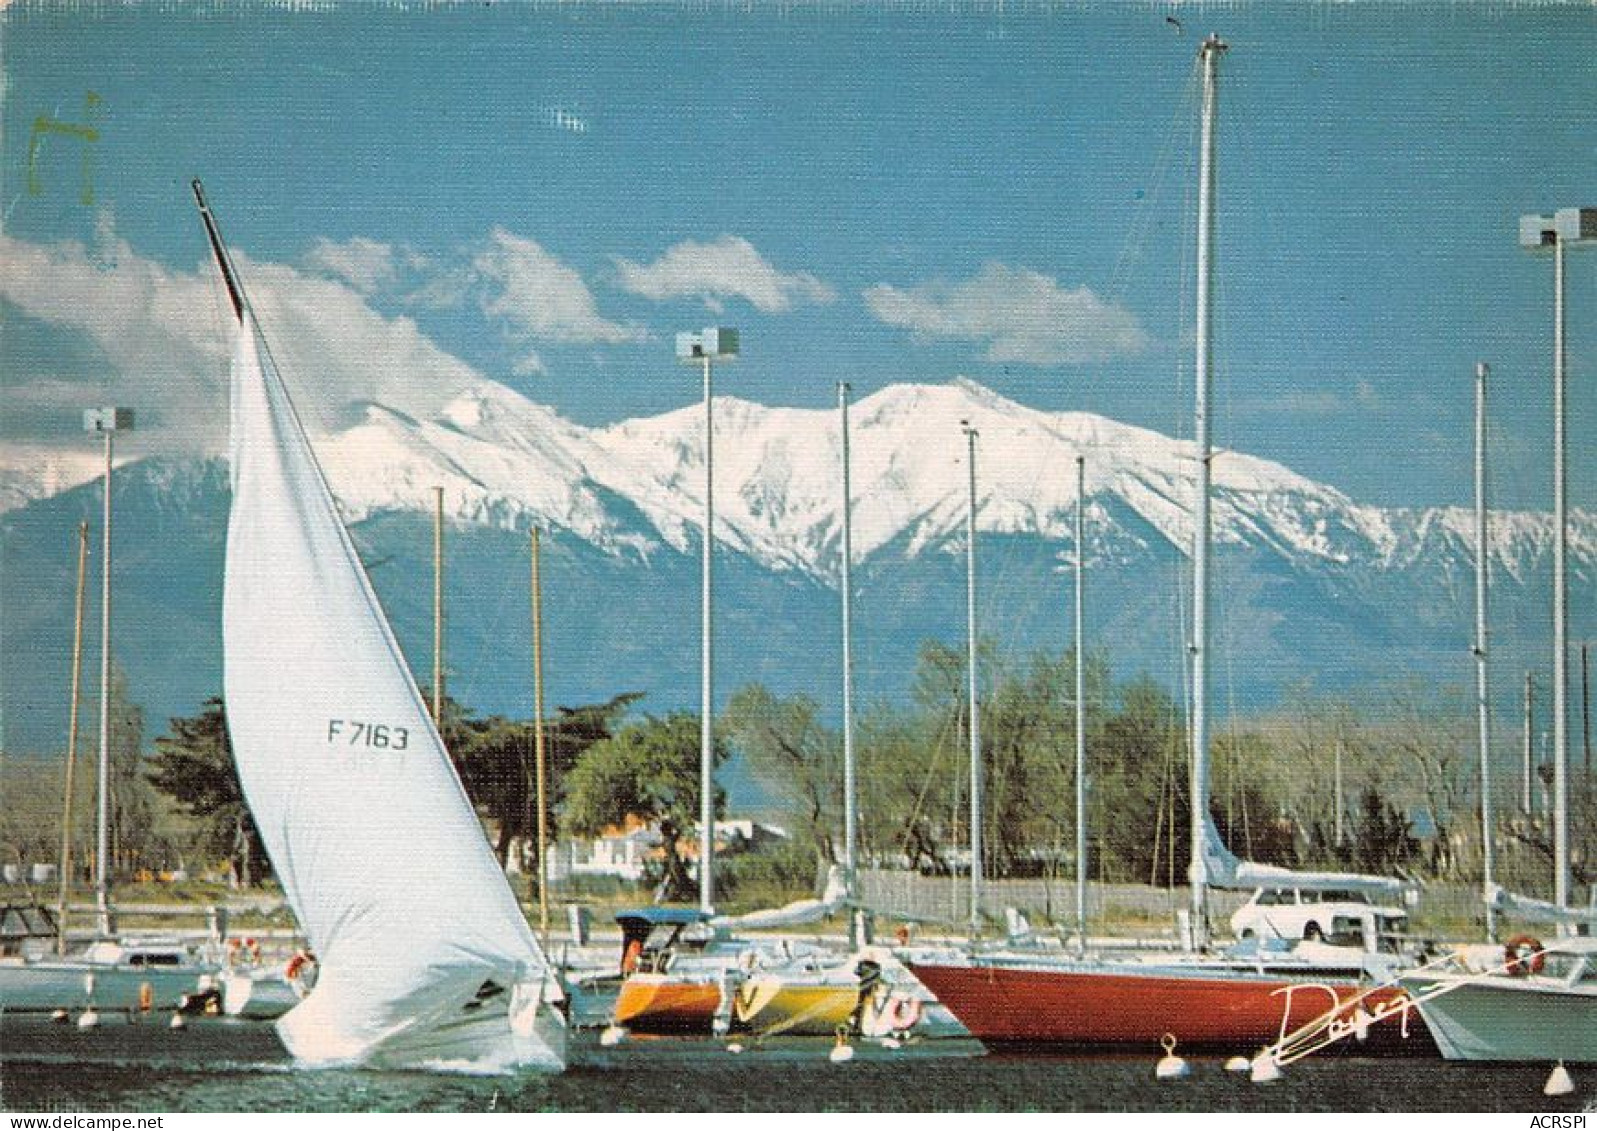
{"x":115,"y":975}
{"x":1209,"y":1003}
{"x":1538,"y":1005}
{"x":1237,"y":1000}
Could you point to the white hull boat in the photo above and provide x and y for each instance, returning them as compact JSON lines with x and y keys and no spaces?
{"x":120,"y":977}
{"x":417,"y":936}
{"x":1542,"y":1007}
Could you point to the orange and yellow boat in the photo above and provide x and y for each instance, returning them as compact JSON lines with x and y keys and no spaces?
{"x":666,"y":1003}
{"x":798,"y":1002}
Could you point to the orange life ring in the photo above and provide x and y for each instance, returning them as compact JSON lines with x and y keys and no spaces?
{"x":249,"y":948}
{"x":903,"y":1012}
{"x":1523,"y":954}
{"x":297,"y":965}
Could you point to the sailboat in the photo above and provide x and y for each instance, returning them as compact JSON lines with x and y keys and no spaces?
{"x":117,"y":974}
{"x":685,"y":971}
{"x":1538,"y":1003}
{"x":868,"y":988}
{"x":689,"y":971}
{"x":424,"y":957}
{"x":1239,"y":1000}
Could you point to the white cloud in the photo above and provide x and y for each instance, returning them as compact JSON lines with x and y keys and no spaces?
{"x":165,"y":337}
{"x":539,"y":298}
{"x":730,"y":267}
{"x":1022,"y":315}
{"x":367,"y":265}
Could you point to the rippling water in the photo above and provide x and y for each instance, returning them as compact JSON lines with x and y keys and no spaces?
{"x":228,"y":1066}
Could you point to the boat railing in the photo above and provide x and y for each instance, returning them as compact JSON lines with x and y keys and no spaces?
{"x":1351,"y":1018}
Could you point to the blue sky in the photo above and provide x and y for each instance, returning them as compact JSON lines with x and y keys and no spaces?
{"x":542,"y":195}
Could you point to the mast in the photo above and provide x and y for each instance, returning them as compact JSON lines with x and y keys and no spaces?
{"x":1081,"y":705}
{"x":1525,"y":751}
{"x":72,"y":742}
{"x":1337,"y":787}
{"x":850,"y":785}
{"x":438,"y":608}
{"x":538,"y":742}
{"x":1585,"y":703}
{"x":1482,"y":703}
{"x":235,"y":293}
{"x":1209,"y":56}
{"x":970,"y":664}
{"x":102,"y":824}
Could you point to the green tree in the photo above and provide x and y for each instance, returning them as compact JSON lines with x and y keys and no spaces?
{"x":1139,"y":802}
{"x":497,"y":761}
{"x":134,"y":807}
{"x":648,"y":770}
{"x":193,"y":765}
{"x":1383,"y":842}
{"x":795,"y":757}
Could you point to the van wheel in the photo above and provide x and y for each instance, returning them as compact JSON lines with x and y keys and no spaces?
{"x":1313,"y":933}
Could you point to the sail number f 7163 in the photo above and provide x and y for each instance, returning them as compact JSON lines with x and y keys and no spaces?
{"x":353,"y":732}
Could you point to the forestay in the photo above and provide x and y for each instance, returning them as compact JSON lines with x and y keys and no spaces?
{"x":366,"y":822}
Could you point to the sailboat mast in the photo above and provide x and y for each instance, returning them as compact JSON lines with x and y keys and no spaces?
{"x":102,"y":824}
{"x":72,"y":741}
{"x":538,"y":742}
{"x":1585,"y":703}
{"x":438,"y":608}
{"x":850,"y":785}
{"x":1482,"y":702}
{"x":1209,"y":55}
{"x":974,"y":728}
{"x":1081,"y":704}
{"x":235,"y":293}
{"x":1525,"y":750}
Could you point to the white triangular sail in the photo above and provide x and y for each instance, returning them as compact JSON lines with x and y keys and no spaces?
{"x":365,"y":820}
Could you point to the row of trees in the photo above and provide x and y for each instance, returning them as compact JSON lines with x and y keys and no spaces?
{"x":1388,"y":787}
{"x":1406,"y":769}
{"x":33,"y":805}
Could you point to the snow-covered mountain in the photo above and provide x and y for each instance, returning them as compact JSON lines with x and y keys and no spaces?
{"x":505,"y":461}
{"x":1309,"y":576}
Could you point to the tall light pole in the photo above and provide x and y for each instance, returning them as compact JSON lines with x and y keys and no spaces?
{"x":970,"y":664}
{"x":108,"y":422}
{"x":1564,"y":227}
{"x":711,"y":344}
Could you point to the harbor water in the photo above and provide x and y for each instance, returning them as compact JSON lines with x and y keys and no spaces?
{"x":235,"y":1066}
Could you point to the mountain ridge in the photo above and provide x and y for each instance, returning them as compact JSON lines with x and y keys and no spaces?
{"x":1313,"y":585}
